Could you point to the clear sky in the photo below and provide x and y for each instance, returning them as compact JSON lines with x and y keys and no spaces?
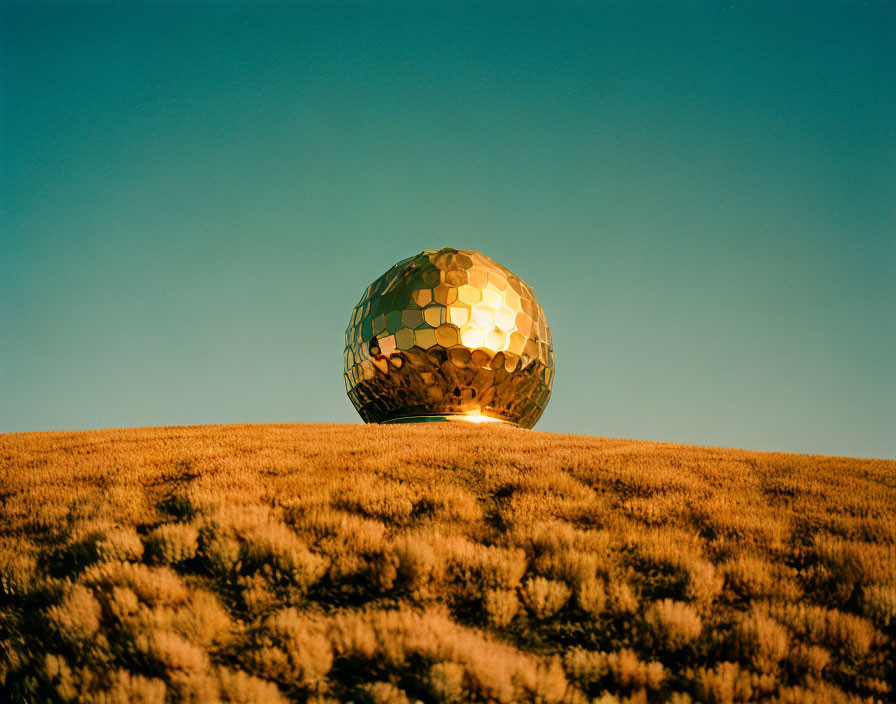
{"x":703,"y":195}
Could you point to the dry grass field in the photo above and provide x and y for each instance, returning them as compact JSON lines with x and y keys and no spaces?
{"x":439,"y":563}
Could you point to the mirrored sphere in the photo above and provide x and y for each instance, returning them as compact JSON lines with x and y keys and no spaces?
{"x":449,"y":334}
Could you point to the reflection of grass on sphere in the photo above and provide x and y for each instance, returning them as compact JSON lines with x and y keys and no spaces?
{"x":439,"y":563}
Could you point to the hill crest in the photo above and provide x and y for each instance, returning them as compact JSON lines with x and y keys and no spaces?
{"x":439,"y":563}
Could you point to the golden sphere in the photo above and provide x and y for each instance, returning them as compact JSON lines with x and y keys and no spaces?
{"x":449,"y":334}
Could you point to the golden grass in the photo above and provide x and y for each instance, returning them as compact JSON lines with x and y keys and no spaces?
{"x":439,"y":563}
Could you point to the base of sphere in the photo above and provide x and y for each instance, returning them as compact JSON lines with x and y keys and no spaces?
{"x":450,"y":418}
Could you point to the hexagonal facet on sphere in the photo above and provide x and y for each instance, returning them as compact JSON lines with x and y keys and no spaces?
{"x":449,"y":334}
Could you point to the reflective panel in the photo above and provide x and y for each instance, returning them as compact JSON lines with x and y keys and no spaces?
{"x":458,"y":315}
{"x":434,"y":316}
{"x":421,"y":296}
{"x":412,"y":318}
{"x":425,"y":338}
{"x":469,"y":295}
{"x":446,"y":335}
{"x":404,"y":339}
{"x":449,"y":335}
{"x":471,"y":336}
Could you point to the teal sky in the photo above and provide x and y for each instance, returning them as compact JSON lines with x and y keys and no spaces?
{"x":703,"y":195}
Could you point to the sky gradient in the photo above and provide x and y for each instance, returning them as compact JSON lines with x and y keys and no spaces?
{"x":703,"y":196}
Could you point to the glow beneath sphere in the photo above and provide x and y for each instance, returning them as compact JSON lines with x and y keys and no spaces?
{"x":449,"y":335}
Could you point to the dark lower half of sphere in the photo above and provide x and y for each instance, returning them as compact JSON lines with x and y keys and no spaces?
{"x":416,"y":383}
